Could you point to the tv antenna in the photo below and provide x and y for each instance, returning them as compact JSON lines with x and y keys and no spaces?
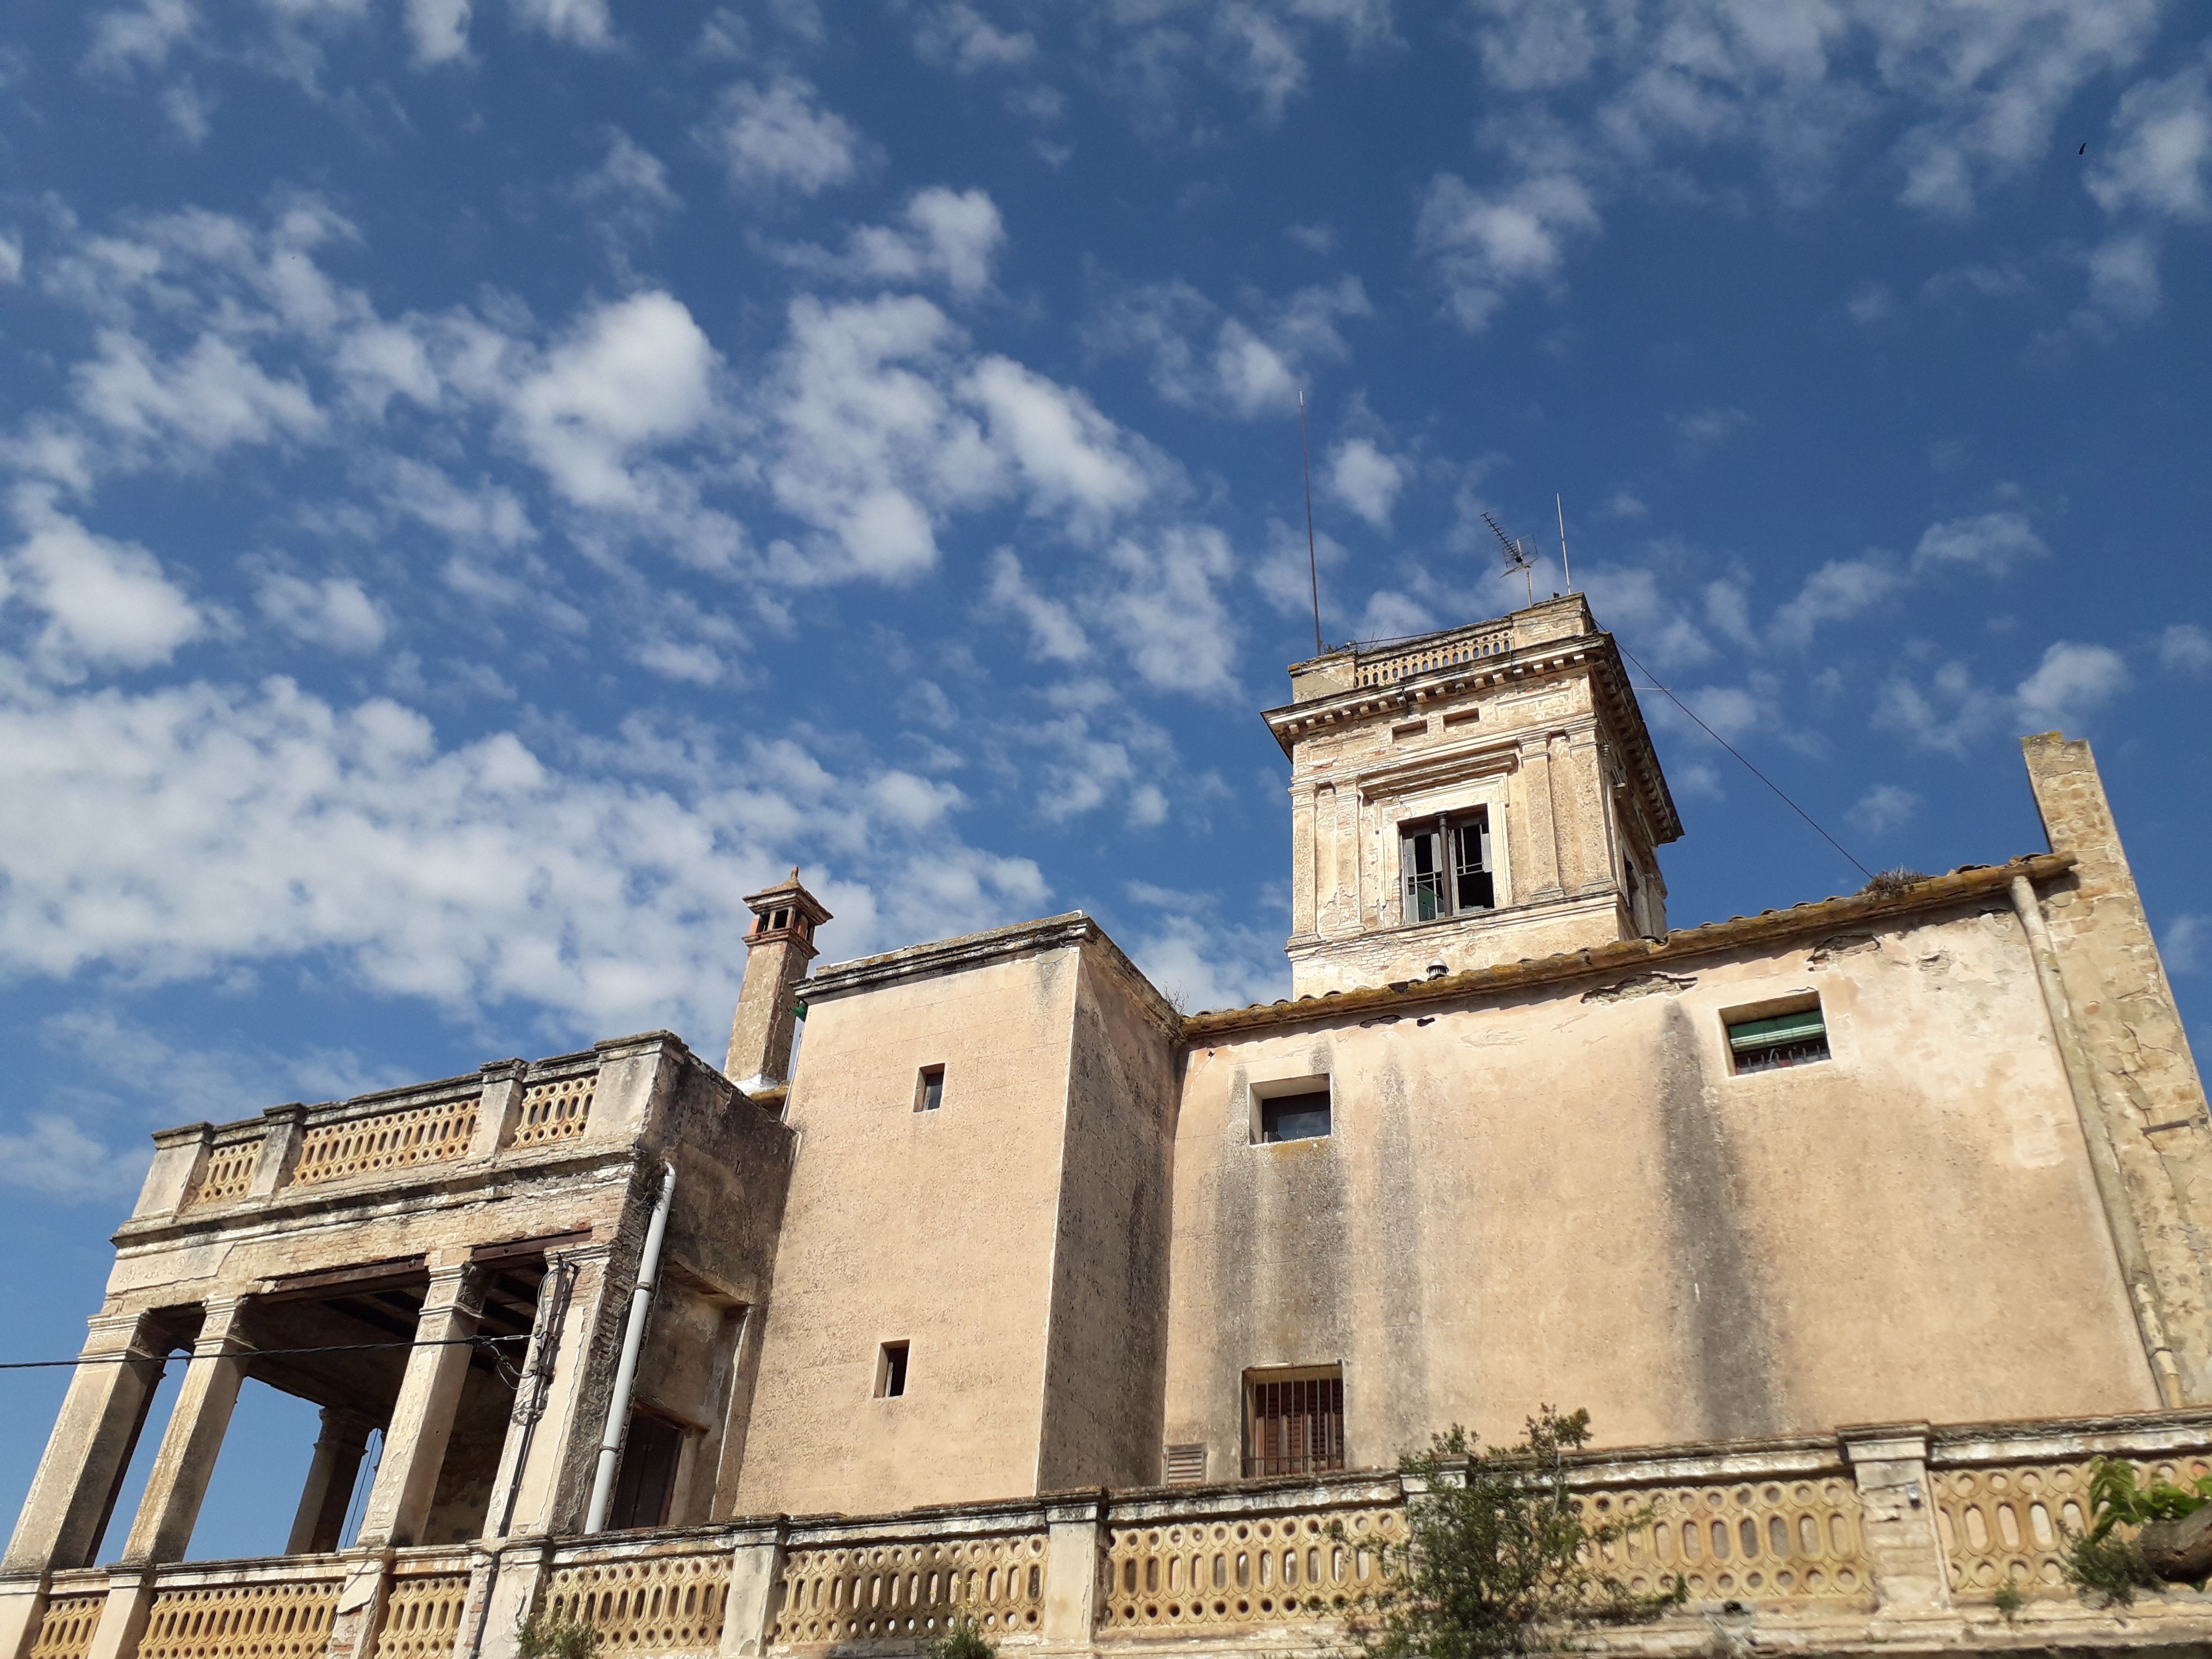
{"x":1517,"y":556}
{"x":1313,"y":565}
{"x":1566,"y":570}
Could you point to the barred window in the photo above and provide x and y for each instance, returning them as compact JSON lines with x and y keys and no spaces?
{"x":1293,"y":1421}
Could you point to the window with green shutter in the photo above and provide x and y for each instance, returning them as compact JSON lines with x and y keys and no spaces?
{"x":1778,"y":1040}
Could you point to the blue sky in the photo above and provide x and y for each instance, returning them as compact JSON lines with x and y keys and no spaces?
{"x":484,"y":485}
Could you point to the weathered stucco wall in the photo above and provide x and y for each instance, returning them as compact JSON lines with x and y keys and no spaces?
{"x":1107,"y":1369}
{"x":935,"y":1229}
{"x":1570,"y":1197}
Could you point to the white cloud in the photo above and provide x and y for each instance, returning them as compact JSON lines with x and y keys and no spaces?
{"x":1871,"y":303}
{"x":2124,"y":276}
{"x":2160,"y":156}
{"x":1839,"y":591}
{"x":1168,"y":616}
{"x":1250,"y":370}
{"x":194,"y":405}
{"x":779,"y":136}
{"x":105,"y":602}
{"x":335,"y":611}
{"x":573,"y":22}
{"x":1482,"y":243}
{"x":1992,"y":542}
{"x":140,"y":37}
{"x":961,"y":38}
{"x":943,"y":235}
{"x":1950,"y":712}
{"x":1884,"y":807}
{"x":198,"y":829}
{"x":11,"y":258}
{"x":1366,"y":480}
{"x":1054,"y":634}
{"x":2071,"y":684}
{"x":51,"y":1156}
{"x":1198,"y":963}
{"x":2185,"y":648}
{"x":437,"y":30}
{"x":1706,"y":427}
{"x":629,"y":189}
{"x":2186,"y":945}
{"x":1071,"y":457}
{"x":632,"y":375}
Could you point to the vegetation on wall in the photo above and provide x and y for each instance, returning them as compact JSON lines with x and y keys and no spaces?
{"x":2106,"y":1563}
{"x":1499,"y":1559}
{"x":963,"y":1639}
{"x":555,"y":1636}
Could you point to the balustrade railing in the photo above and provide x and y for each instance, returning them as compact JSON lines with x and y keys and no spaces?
{"x":553,"y":1110}
{"x":911,"y":1591}
{"x":662,"y":1602}
{"x":387,"y":1140}
{"x":228,"y":1174}
{"x":1385,"y":667}
{"x":66,"y":1629}
{"x":274,"y":1617}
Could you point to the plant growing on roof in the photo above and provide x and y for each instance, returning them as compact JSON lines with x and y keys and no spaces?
{"x":964,"y":1638}
{"x":1498,"y":1558}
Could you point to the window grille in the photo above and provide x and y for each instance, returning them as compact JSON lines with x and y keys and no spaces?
{"x":1294,"y":1425}
{"x":1445,"y":867}
{"x":1768,"y":1045}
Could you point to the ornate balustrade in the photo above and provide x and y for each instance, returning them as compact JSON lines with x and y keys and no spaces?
{"x":228,"y":1173}
{"x":378,"y":1142}
{"x":1780,"y":1532}
{"x":1386,"y":667}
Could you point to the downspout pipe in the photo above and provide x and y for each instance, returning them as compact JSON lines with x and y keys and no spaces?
{"x":641,"y":1306}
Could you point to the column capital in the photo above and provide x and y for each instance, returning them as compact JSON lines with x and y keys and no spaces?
{"x":221,"y":1317}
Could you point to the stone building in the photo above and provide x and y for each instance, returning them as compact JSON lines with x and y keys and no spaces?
{"x":1859,"y":1227}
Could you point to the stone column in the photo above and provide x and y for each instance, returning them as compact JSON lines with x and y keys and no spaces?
{"x":1897,"y":1512}
{"x":181,"y":1469}
{"x":756,"y":1574}
{"x":1072,"y":1551}
{"x":331,"y":1473}
{"x":280,"y":1149}
{"x":509,"y":1590}
{"x":122,"y":1620}
{"x":90,"y":1446}
{"x":422,"y":1417}
{"x":555,"y":1479}
{"x":497,"y":1109}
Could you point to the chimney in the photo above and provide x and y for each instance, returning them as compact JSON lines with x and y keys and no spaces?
{"x":778,"y":949}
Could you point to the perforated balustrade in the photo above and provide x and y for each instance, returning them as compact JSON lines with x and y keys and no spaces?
{"x":862,"y":1592}
{"x":66,"y":1631}
{"x":389,"y":1141}
{"x":1793,"y":1540}
{"x":421,"y":1616}
{"x":261,"y":1620}
{"x":1220,"y":1573}
{"x":229,"y":1172}
{"x":2004,"y":1524}
{"x":1383,"y":668}
{"x":645,"y":1604}
{"x":555,"y":1110}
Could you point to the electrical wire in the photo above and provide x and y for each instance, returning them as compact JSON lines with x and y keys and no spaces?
{"x":1748,"y":766}
{"x":260,"y":1353}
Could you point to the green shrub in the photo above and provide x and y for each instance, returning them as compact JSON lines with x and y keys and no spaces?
{"x":2106,"y":1563}
{"x":555,"y":1636}
{"x":963,"y":1639}
{"x":1497,"y":1560}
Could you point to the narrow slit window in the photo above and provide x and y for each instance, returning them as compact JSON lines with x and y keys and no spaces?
{"x":1295,"y":1117}
{"x":1778,"y":1040}
{"x":890,"y":1372}
{"x":929,"y":1089}
{"x":1293,"y":1421}
{"x":1444,"y":866}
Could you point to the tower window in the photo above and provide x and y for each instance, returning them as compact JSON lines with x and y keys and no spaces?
{"x":1294,"y":1420}
{"x":1777,"y":1041}
{"x":1444,"y":866}
{"x":929,"y":1089}
{"x":890,"y":1370}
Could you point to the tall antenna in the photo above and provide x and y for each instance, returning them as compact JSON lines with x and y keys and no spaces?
{"x":1313,"y":564}
{"x":1566,"y":571}
{"x":1516,"y":557}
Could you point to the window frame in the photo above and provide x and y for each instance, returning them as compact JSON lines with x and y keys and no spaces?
{"x":1448,"y":828}
{"x":1332,"y":1455}
{"x":1284,"y":1087}
{"x":927,"y":1099}
{"x":894,"y":1368}
{"x":1769,"y":1013}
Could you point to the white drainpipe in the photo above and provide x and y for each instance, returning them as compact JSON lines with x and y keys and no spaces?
{"x":640,"y":1304}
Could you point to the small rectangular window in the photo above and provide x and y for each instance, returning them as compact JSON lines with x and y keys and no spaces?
{"x":890,"y":1372}
{"x":1776,"y":1040}
{"x":929,"y":1089}
{"x":1410,"y":729}
{"x":645,"y":1480}
{"x":1295,"y":1117}
{"x":1293,"y":1421}
{"x":1464,"y":717}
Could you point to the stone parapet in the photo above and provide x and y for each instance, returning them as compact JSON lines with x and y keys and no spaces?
{"x":1881,"y":1537}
